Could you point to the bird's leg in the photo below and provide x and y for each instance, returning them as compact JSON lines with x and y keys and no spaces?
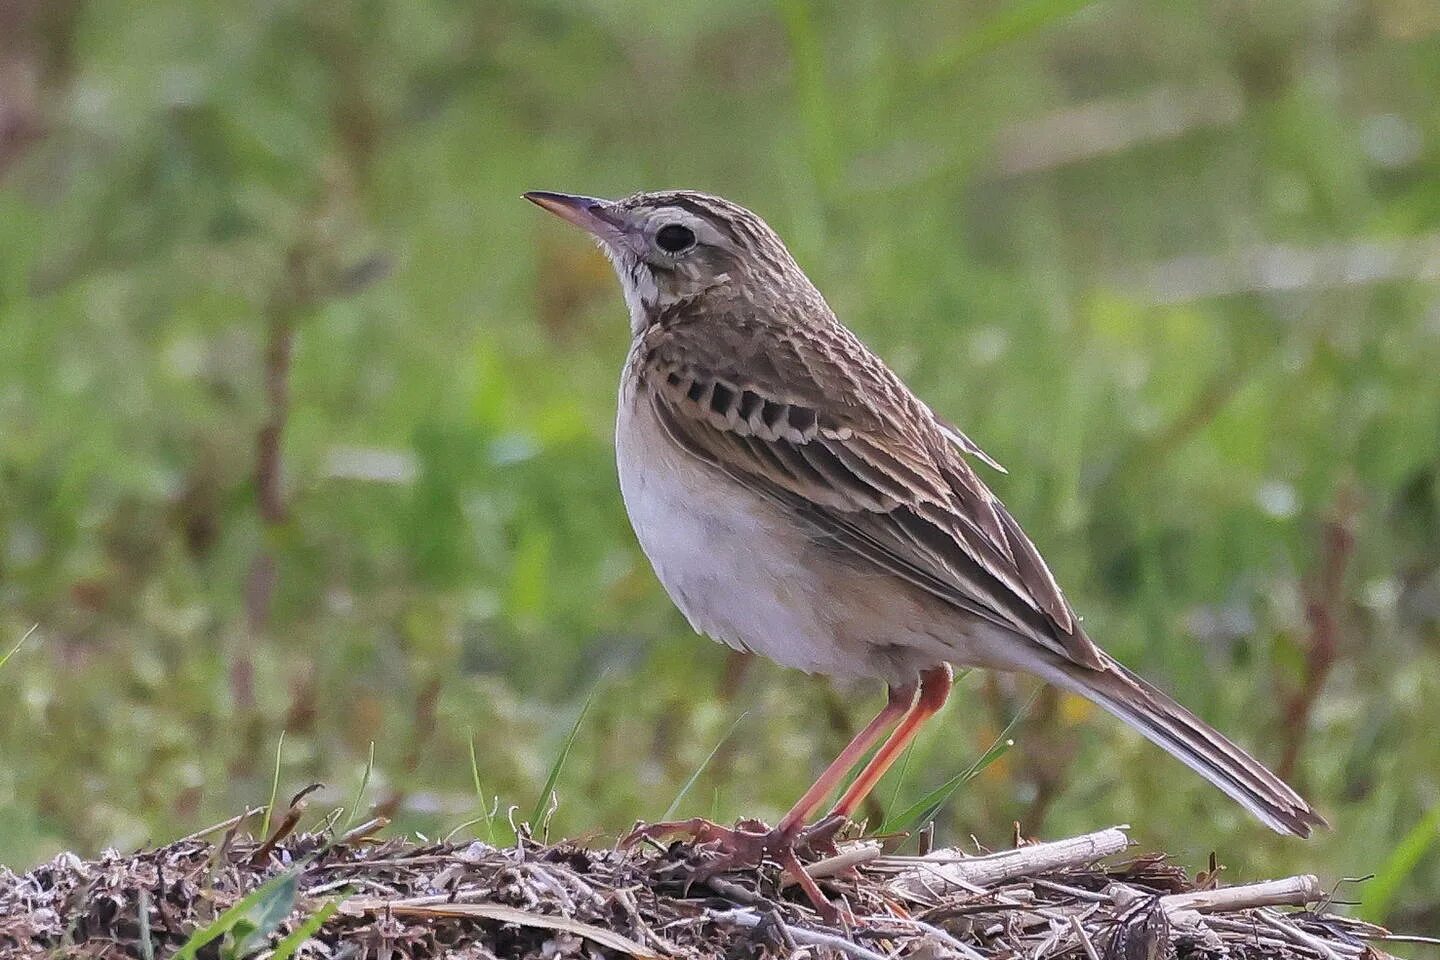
{"x":899,"y":704}
{"x":749,"y":842}
{"x":935,"y":686}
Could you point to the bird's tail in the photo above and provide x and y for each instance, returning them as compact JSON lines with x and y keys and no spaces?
{"x":1192,"y":741}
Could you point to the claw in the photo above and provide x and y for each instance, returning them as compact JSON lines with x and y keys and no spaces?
{"x":703,"y":832}
{"x":819,"y":837}
{"x":747,"y":845}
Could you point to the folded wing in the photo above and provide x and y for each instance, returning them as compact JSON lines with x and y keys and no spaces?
{"x":892,"y":488}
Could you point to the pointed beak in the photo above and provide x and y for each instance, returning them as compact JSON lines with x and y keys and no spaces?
{"x":594,"y":216}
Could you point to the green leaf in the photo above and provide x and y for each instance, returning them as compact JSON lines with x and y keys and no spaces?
{"x":287,"y":947}
{"x":258,"y":912}
{"x":1404,"y":858}
{"x":274,"y":789}
{"x":675,"y":804}
{"x":545,"y":793}
{"x":904,"y":770}
{"x":924,"y":810}
{"x":265,"y":914}
{"x":360,"y":793}
{"x":18,"y":644}
{"x":479,"y":790}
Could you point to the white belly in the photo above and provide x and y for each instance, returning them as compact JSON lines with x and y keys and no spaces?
{"x":747,"y":576}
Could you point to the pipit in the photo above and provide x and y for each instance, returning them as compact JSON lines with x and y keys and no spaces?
{"x":797,"y":500}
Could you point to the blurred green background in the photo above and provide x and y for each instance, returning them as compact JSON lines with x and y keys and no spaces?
{"x":305,"y":416}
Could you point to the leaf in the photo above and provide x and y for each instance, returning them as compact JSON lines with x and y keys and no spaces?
{"x":924,"y":810}
{"x":1404,"y":858}
{"x":548,"y":790}
{"x":287,"y":947}
{"x":18,"y":644}
{"x":675,"y":804}
{"x":265,"y":900}
{"x":480,"y":798}
{"x":900,"y":774}
{"x":274,"y":788}
{"x":360,"y":793}
{"x":267,"y":913}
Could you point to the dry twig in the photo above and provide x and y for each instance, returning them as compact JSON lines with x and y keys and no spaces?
{"x":1048,"y":901}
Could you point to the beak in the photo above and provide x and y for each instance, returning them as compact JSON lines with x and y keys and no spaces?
{"x":588,"y":213}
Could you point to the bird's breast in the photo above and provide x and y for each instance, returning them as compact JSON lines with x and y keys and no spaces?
{"x":739,"y":568}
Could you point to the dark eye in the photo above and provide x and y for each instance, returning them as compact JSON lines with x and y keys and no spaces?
{"x":673,"y":238}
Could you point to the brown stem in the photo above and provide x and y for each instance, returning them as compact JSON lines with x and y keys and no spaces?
{"x":36,"y":41}
{"x":269,"y":491}
{"x":270,"y":500}
{"x":290,"y":295}
{"x":1322,"y":591}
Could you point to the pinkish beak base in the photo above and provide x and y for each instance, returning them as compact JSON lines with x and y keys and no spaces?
{"x":588,"y":213}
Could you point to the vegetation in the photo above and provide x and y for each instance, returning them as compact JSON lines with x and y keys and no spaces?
{"x":304,"y":414}
{"x":320,"y":894}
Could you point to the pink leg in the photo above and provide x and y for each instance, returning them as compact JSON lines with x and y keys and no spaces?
{"x":900,"y":703}
{"x":749,"y":842}
{"x":934,"y":691}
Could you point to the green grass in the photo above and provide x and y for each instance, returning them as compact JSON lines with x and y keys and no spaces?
{"x":18,"y":644}
{"x":547,"y":802}
{"x":670,"y":811}
{"x":292,"y":941}
{"x":928,"y":807}
{"x":1398,"y":868}
{"x":482,"y":800}
{"x":452,"y":553}
{"x":274,"y":787}
{"x":245,"y":925}
{"x":357,"y":804}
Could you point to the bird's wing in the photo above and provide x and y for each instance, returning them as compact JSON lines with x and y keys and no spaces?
{"x":816,"y":422}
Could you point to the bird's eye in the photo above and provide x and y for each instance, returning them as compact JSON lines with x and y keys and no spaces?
{"x":673,"y":238}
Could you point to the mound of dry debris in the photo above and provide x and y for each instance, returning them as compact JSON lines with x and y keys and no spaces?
{"x":316,"y":895}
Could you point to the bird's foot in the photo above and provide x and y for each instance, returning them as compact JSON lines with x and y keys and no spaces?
{"x":747,"y":836}
{"x":750,"y":842}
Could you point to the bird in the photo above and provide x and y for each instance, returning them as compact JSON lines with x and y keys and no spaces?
{"x":798,"y":501}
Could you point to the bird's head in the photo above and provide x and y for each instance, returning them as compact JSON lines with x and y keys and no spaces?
{"x":680,"y":245}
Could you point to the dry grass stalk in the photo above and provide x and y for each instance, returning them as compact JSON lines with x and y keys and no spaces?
{"x":396,"y":899}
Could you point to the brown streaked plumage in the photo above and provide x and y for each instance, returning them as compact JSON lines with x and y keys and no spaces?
{"x":798,"y":500}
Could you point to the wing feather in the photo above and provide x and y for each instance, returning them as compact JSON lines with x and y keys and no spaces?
{"x":893,"y":489}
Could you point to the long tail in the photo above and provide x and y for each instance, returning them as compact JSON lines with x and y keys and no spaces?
{"x":1191,"y":740}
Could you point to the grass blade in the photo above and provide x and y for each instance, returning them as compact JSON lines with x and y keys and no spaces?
{"x":549,"y":789}
{"x":265,"y":914}
{"x":675,"y":804}
{"x":20,"y":643}
{"x":142,"y":910}
{"x":286,"y":948}
{"x":1015,"y":22}
{"x":923,"y":810}
{"x":274,"y":789}
{"x":1404,"y":858}
{"x":265,"y":902}
{"x":900,"y":775}
{"x":360,"y":794}
{"x":485,"y":810}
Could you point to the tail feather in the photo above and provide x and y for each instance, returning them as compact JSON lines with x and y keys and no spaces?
{"x":1194,"y":742}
